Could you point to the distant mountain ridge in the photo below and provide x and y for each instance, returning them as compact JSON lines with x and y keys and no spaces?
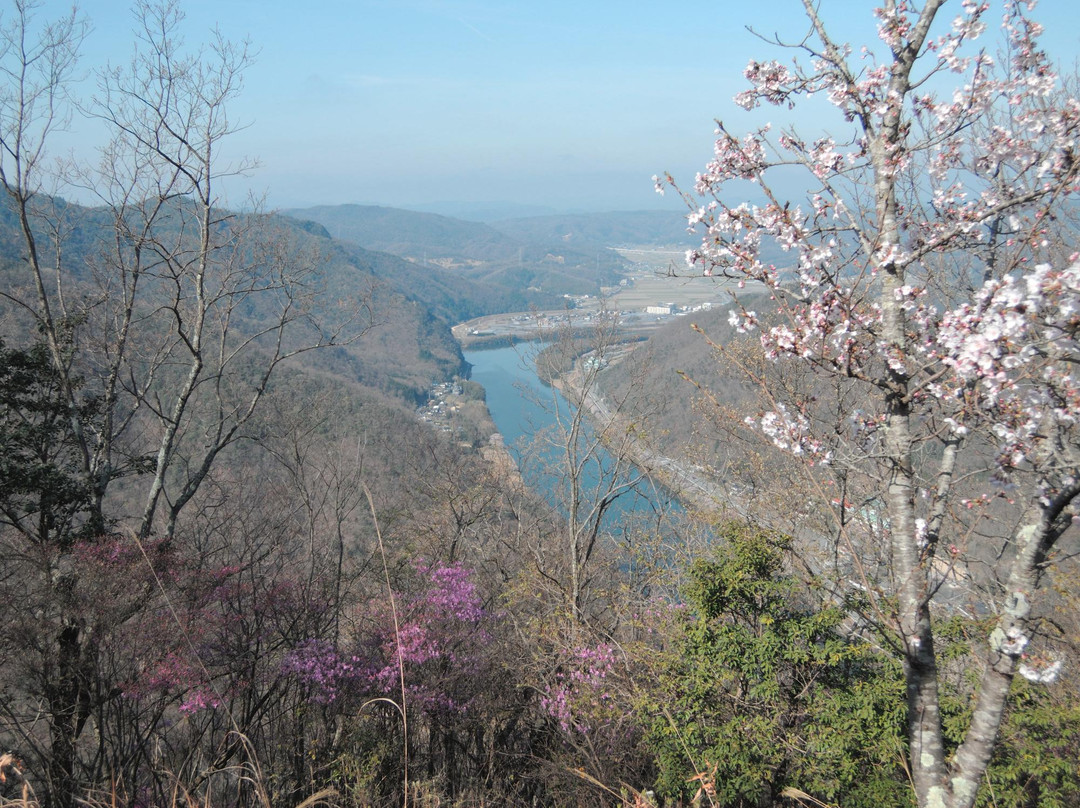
{"x":614,"y":229}
{"x":515,"y":272}
{"x":482,"y":211}
{"x":413,"y":232}
{"x":410,"y":233}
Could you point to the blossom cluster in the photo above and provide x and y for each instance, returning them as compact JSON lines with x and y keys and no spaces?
{"x":177,"y":672}
{"x":581,"y":687}
{"x":1012,"y":352}
{"x":321,"y":668}
{"x":1039,"y":669}
{"x":791,"y":432}
{"x":439,"y":641}
{"x":981,"y":164}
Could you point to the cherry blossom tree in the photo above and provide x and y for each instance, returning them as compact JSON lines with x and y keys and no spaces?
{"x":931,"y":285}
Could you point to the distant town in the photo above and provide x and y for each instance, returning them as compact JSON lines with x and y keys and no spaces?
{"x":651,"y":294}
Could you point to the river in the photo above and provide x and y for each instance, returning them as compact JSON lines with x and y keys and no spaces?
{"x":528,"y":414}
{"x":519,"y":403}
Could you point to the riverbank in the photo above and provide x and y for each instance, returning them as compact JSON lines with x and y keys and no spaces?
{"x":500,"y":369}
{"x":503,"y":464}
{"x":497,"y":330}
{"x":693,"y":488}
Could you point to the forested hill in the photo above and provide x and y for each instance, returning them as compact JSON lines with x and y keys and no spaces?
{"x":518,"y":272}
{"x":669,"y":374}
{"x":407,"y":347}
{"x":451,"y":296}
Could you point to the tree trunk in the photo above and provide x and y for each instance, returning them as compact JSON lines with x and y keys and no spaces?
{"x":68,"y":703}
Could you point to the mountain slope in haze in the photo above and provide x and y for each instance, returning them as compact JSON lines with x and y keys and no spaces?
{"x":540,"y":271}
{"x":482,"y":211}
{"x":590,"y":230}
{"x":452,"y":296}
{"x":412,"y":234}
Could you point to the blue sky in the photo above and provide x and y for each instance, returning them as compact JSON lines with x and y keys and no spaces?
{"x":571,"y":105}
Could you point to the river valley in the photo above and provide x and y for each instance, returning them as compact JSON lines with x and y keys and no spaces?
{"x":534,"y":419}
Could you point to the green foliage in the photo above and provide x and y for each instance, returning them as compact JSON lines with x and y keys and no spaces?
{"x":43,"y":494}
{"x":1036,"y":760}
{"x":472,"y":391}
{"x":558,"y":358}
{"x":768,"y":692}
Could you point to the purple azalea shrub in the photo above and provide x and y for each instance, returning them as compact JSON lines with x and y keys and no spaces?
{"x":441,"y":641}
{"x":580,"y":690}
{"x":322,"y":669}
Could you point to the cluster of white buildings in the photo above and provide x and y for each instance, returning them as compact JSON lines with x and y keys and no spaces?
{"x":670,"y":308}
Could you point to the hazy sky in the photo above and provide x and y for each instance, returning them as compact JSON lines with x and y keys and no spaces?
{"x":572,"y":105}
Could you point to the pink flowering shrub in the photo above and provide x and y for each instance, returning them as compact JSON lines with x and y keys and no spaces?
{"x":321,"y":668}
{"x":161,"y":639}
{"x":591,"y":699}
{"x":580,"y":695}
{"x":441,"y":641}
{"x":198,"y":636}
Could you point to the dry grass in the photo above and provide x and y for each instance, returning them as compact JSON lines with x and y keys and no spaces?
{"x":247,"y":776}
